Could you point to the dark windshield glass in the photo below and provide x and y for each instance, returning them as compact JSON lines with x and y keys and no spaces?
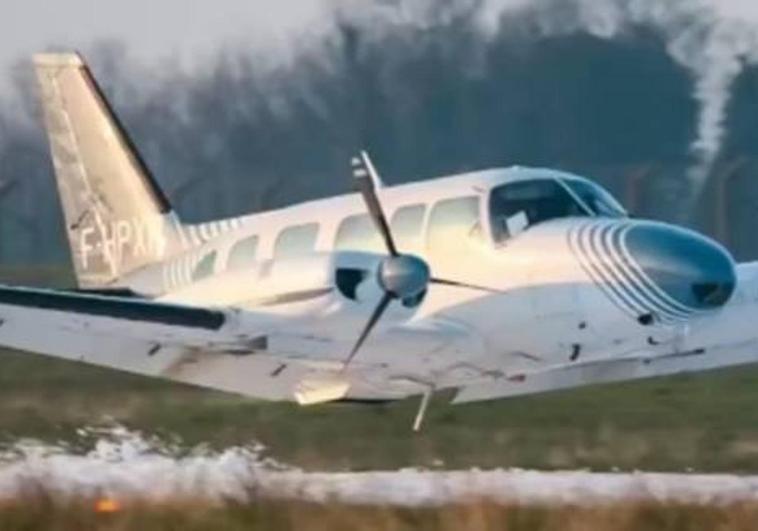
{"x":595,"y":198}
{"x":517,"y":206}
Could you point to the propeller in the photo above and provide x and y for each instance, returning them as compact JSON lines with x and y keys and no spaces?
{"x":401,"y":276}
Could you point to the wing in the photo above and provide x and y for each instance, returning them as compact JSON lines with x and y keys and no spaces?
{"x":217,"y":348}
{"x":609,"y":371}
{"x":253,"y":353}
{"x":31,"y":317}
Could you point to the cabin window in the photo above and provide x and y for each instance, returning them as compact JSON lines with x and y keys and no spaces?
{"x":296,"y":241}
{"x":358,"y":233}
{"x":407,"y":224}
{"x":243,"y":253}
{"x":452,"y":221}
{"x":205,"y":267}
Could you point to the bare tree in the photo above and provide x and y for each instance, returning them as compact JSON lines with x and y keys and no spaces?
{"x":6,"y":187}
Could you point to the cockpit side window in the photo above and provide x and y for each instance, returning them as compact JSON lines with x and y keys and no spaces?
{"x":514,"y":207}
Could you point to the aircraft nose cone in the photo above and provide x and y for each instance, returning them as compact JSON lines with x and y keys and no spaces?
{"x":695,"y":271}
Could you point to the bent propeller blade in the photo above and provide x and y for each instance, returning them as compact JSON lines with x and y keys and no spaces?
{"x":367,"y":189}
{"x":378,"y":312}
{"x":369,"y":165}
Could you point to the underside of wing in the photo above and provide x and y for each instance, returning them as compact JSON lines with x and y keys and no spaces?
{"x":255,"y":354}
{"x":609,"y":371}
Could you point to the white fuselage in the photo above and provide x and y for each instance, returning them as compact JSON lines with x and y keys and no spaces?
{"x":550,"y":309}
{"x":497,"y":282}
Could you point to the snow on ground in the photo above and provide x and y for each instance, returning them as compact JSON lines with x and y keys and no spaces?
{"x":126,"y":465}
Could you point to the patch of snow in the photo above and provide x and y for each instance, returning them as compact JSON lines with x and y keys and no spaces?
{"x":128,"y":465}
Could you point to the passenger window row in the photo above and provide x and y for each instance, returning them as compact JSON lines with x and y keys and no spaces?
{"x":511,"y":208}
{"x":451,"y":218}
{"x":358,"y":233}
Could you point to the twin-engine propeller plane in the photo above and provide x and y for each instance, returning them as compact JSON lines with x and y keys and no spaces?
{"x":493,"y":283}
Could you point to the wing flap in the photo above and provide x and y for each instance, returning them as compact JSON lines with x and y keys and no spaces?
{"x":318,"y":390}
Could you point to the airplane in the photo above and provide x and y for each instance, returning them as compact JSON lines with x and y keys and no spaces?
{"x":488,"y":284}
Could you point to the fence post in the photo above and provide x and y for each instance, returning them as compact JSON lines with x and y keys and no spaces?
{"x":723,"y":178}
{"x":6,"y":187}
{"x":635,"y":180}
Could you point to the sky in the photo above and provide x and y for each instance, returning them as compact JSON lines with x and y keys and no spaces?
{"x":153,"y":30}
{"x":189,"y":30}
{"x":191,"y":33}
{"x":738,"y":8}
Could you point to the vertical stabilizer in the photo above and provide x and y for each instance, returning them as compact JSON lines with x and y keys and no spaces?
{"x":117,"y":218}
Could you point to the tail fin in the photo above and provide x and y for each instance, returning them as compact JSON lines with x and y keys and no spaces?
{"x":117,"y":218}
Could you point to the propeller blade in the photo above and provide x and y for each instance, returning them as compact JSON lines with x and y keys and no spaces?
{"x":375,"y":177}
{"x":368,"y":191}
{"x":378,"y":312}
{"x":456,"y":284}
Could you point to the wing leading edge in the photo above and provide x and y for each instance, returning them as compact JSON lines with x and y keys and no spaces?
{"x":105,"y":306}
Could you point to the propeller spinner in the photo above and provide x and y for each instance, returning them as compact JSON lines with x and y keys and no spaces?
{"x":401,"y":276}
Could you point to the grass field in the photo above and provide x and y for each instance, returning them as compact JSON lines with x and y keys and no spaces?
{"x":704,"y":423}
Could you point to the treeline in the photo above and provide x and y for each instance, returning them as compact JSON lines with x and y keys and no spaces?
{"x":241,"y":135}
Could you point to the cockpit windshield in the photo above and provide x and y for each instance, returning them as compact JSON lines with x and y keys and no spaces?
{"x":600,"y":202}
{"x":514,"y":207}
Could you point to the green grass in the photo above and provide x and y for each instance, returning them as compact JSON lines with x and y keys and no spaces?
{"x":706,"y":422}
{"x":37,"y":275}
